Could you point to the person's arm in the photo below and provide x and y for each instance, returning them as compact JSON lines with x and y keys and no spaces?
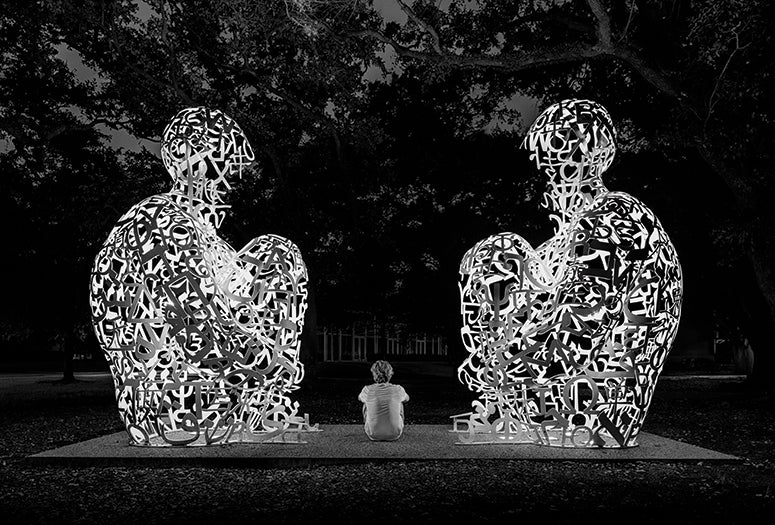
{"x":362,"y":395}
{"x":404,"y":395}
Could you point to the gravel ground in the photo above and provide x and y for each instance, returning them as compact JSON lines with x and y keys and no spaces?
{"x":712,"y":413}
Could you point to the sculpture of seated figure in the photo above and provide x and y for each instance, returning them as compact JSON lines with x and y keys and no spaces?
{"x":566,"y":341}
{"x":202,"y":341}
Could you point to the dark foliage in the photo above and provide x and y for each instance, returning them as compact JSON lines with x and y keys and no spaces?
{"x":387,"y":148}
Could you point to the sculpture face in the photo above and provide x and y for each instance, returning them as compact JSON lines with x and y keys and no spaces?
{"x":573,"y":144}
{"x":566,"y":341}
{"x":202,"y":340}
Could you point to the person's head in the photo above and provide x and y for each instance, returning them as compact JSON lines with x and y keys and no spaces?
{"x":381,"y":371}
{"x":573,"y":143}
{"x":204,"y":150}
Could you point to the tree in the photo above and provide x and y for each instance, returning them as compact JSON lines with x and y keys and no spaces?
{"x":692,"y":78}
{"x":57,"y":175}
{"x":389,"y":137}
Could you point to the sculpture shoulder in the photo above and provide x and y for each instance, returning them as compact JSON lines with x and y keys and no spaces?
{"x":618,"y":221}
{"x":270,"y":240}
{"x":273,"y":246}
{"x":621,"y":205}
{"x":276,"y":250}
{"x":154,"y":208}
{"x":500,"y":247}
{"x":153,"y":221}
{"x":620,"y":218}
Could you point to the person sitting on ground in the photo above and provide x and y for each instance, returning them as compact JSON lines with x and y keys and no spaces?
{"x":383,"y":405}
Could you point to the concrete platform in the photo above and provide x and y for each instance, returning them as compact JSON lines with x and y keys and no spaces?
{"x":338,"y":444}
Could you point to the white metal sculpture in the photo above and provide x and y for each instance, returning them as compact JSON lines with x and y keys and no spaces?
{"x":566,"y":341}
{"x":202,"y":341}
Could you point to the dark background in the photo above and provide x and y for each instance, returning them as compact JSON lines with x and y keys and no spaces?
{"x":388,"y":138}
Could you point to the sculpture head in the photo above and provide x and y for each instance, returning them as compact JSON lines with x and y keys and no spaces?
{"x":204,"y":150}
{"x":573,"y":142}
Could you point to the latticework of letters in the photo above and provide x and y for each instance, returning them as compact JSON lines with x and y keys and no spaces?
{"x":202,"y":340}
{"x":566,"y":341}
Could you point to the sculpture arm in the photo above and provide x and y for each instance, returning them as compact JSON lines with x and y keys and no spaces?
{"x":265,"y":286}
{"x":610,"y":299}
{"x":267,"y":274}
{"x":504,"y":286}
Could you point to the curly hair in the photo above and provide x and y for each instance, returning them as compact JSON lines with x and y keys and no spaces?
{"x":381,"y":371}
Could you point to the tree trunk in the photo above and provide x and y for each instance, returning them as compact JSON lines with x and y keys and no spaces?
{"x":763,"y":309}
{"x":68,"y":348}
{"x":761,"y":256}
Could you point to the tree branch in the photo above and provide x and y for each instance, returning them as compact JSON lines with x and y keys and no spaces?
{"x":259,"y":82}
{"x":425,"y":26}
{"x":742,"y":192}
{"x":53,"y":133}
{"x":270,"y":152}
{"x":711,"y":102}
{"x":119,"y":49}
{"x":552,"y":55}
{"x":553,"y":18}
{"x":629,"y":21}
{"x":603,"y":27}
{"x":562,"y":53}
{"x":14,"y":128}
{"x":507,"y":62}
{"x":297,"y":105}
{"x":173,"y":55}
{"x":649,"y":73}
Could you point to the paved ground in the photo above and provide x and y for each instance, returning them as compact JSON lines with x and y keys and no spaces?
{"x":715,"y":413}
{"x":338,"y":444}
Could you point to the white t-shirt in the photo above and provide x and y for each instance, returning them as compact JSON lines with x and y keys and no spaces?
{"x":383,"y":410}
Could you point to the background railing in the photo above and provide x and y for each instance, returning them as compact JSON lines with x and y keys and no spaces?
{"x":361,"y":344}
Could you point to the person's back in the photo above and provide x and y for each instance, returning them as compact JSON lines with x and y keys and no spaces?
{"x":383,"y":405}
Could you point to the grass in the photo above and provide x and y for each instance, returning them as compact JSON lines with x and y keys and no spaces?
{"x":717,"y":414}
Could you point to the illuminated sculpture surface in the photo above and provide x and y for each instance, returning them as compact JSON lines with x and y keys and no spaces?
{"x":202,"y":341}
{"x":566,"y":341}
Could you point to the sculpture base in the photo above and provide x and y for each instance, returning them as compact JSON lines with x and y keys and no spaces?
{"x":475,"y":428}
{"x":291,"y":432}
{"x":281,"y":437}
{"x":341,"y":444}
